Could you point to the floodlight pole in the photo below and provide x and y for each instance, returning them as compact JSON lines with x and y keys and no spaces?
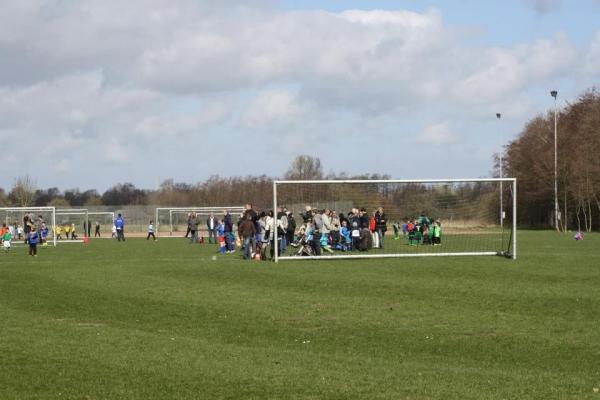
{"x":554,"y":94}
{"x":499,"y":116}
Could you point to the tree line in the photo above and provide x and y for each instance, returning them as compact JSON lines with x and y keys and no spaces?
{"x":227,"y":191}
{"x":530,"y":158}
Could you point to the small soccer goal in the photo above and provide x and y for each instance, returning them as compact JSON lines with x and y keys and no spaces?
{"x":72,"y":224}
{"x":399,"y":218}
{"x":173,"y":221}
{"x":101,"y":223}
{"x":20,"y":217}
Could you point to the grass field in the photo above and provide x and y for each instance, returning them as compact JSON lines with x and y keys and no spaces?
{"x":144,"y":320}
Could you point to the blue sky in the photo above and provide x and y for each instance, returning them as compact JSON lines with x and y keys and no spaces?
{"x":154,"y":89}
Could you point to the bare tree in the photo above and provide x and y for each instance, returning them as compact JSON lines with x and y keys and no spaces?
{"x":22,"y":193}
{"x":305,"y":168}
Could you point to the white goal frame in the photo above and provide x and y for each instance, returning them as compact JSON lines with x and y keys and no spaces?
{"x":33,"y":209}
{"x":181,"y":210}
{"x":511,"y":181}
{"x":75,"y":211}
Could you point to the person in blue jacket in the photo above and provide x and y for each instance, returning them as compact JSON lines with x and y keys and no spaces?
{"x":33,"y":241}
{"x":120,"y":225}
{"x":229,"y":239}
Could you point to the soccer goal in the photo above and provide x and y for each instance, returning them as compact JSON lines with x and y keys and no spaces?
{"x":19,"y":217}
{"x":173,"y":220}
{"x":72,"y":224}
{"x":436,"y":217}
{"x":101,"y":219}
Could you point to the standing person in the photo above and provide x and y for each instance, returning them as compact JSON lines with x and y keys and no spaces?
{"x":44,"y":234}
{"x":212,"y":224}
{"x":317,"y":223}
{"x":247,"y":233}
{"x":151,"y":231}
{"x":33,"y":241}
{"x":6,"y":239}
{"x":291,"y":229}
{"x":228,"y":231}
{"x":89,"y":228}
{"x":189,"y":227}
{"x":354,"y":226}
{"x":193,"y":227}
{"x":97,"y":230}
{"x":120,"y":228}
{"x":249,"y":210}
{"x":39,"y":225}
{"x":325,"y":230}
{"x":58,"y":232}
{"x":27,"y":227}
{"x":380,"y":226}
{"x":335,"y":229}
{"x":73,"y":234}
{"x":282,"y":226}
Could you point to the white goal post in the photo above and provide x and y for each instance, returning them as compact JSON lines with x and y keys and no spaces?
{"x":21,"y":211}
{"x":175,"y":211}
{"x":465,"y":210}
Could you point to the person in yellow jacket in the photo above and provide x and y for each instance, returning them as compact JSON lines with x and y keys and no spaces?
{"x":58,"y":232}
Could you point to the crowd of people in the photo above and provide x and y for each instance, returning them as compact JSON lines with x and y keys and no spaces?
{"x":319,"y":231}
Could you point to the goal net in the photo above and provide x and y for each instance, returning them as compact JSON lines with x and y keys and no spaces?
{"x":22,"y":218}
{"x":173,"y":221}
{"x":101,"y":223}
{"x":72,"y":224}
{"x":398,"y":218}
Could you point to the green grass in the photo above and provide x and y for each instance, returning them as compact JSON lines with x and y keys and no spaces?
{"x":143,"y":320}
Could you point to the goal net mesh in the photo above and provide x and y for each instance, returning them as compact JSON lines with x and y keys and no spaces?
{"x":420,"y":217}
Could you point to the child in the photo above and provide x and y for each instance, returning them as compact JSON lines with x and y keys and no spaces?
{"x":151,"y":231}
{"x":346,"y":239}
{"x":437,"y":233}
{"x":578,"y":236}
{"x":410,"y":227}
{"x":20,"y":232}
{"x":221,"y":233}
{"x":44,"y":234}
{"x":3,"y":230}
{"x":6,"y":238}
{"x":33,"y":241}
{"x":396,"y":226}
{"x":67,"y":230}
{"x":73,"y":234}
{"x":114,"y":231}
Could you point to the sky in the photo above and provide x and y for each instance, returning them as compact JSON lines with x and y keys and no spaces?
{"x":98,"y":92}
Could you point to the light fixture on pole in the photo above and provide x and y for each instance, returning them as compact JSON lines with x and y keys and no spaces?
{"x":499,"y":116}
{"x":554,"y":93}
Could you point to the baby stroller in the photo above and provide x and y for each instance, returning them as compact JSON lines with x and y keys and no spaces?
{"x":304,"y":246}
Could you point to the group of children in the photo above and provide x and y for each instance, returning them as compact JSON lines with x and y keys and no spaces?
{"x":36,"y":234}
{"x":420,"y":230}
{"x":69,"y":231}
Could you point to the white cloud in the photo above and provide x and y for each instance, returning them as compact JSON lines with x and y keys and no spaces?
{"x":437,"y":134}
{"x":137,"y":79}
{"x":273,"y":107}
